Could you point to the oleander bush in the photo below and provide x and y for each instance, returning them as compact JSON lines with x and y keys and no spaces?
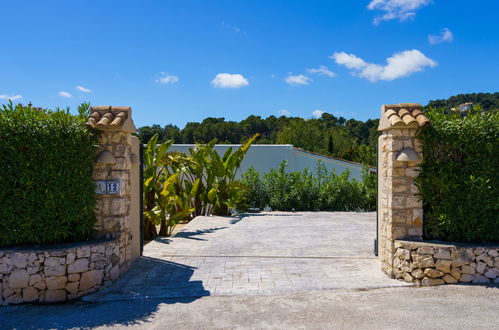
{"x":460,"y":175}
{"x":46,"y":186}
{"x":305,"y":191}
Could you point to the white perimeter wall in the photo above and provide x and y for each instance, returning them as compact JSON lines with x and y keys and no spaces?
{"x":267,"y":156}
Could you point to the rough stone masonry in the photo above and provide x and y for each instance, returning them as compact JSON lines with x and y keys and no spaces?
{"x":54,"y":275}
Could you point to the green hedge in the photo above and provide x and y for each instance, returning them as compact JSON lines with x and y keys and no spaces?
{"x":304,"y":191}
{"x":46,"y":187}
{"x":459,"y":177}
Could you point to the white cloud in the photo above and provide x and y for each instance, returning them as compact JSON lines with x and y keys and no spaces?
{"x":167,"y":79}
{"x":64,"y":94}
{"x":398,"y":65}
{"x":317,"y":113}
{"x":445,"y":35}
{"x":229,"y":80}
{"x":396,"y":9}
{"x":283,"y":112}
{"x":322,"y":71}
{"x":12,"y":98}
{"x":83,"y":89}
{"x":297,"y":80}
{"x":349,"y":60}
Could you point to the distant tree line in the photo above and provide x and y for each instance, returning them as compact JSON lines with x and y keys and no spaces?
{"x":350,"y":139}
{"x":487,"y":101}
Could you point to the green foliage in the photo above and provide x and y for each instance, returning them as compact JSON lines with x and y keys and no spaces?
{"x":487,"y":101}
{"x":46,"y":186}
{"x":459,"y":177}
{"x":362,"y":154}
{"x":178,"y":186}
{"x":304,"y":191}
{"x":328,"y":134}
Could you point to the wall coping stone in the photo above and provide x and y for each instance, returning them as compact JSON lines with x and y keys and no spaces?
{"x":56,"y":246}
{"x":442,"y":244}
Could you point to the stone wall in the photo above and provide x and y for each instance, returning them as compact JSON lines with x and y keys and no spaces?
{"x":57,"y":274}
{"x":115,"y":162}
{"x":113,"y":211}
{"x":428,"y":263}
{"x":400,"y":211}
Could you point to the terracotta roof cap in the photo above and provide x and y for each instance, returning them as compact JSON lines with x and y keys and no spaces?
{"x":403,"y":115}
{"x":111,"y":118}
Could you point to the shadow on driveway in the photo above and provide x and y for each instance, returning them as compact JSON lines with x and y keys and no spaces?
{"x":131,"y":300}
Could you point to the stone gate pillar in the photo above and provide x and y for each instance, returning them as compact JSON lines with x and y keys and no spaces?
{"x":400,"y":213}
{"x":112,"y":173}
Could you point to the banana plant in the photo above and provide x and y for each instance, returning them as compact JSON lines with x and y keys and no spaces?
{"x":154,"y":175}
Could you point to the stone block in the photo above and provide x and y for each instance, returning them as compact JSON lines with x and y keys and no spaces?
{"x":418,"y":273}
{"x":461,"y":258}
{"x":479,"y":250}
{"x":35,"y":278}
{"x":443,"y":265}
{"x":54,"y":283}
{"x":442,"y":254}
{"x":414,"y":202}
{"x":20,"y":260}
{"x":79,"y":266}
{"x":468,"y":269}
{"x":466,"y":278}
{"x":33,"y":268}
{"x":491,"y":273}
{"x":480,"y":267}
{"x":433,"y":273}
{"x":118,"y":206}
{"x":423,"y":260}
{"x":40,"y":285}
{"x":55,"y":296}
{"x":486,"y":258}
{"x":7,"y":292}
{"x":407,"y":277}
{"x":18,"y":279}
{"x":403,"y":254}
{"x":30,"y":294}
{"x":83,"y":252}
{"x":73,"y":277}
{"x":455,"y":272}
{"x":426,"y":250}
{"x":493,"y":253}
{"x":70,"y":258}
{"x":5,"y":268}
{"x":72,"y":287}
{"x":412,"y":172}
{"x":427,"y":281}
{"x":90,"y":279}
{"x":416,"y":232}
{"x":54,"y":266}
{"x":449,"y":279}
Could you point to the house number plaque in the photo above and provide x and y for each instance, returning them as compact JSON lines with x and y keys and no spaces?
{"x":107,"y":187}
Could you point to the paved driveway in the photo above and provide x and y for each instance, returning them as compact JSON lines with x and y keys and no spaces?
{"x":264,"y":253}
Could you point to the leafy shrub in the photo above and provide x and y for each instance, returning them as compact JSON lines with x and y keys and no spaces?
{"x":46,"y":186}
{"x":178,"y":186}
{"x":304,"y":191}
{"x":459,"y":177}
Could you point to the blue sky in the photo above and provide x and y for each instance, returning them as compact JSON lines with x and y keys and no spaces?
{"x":180,"y":61}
